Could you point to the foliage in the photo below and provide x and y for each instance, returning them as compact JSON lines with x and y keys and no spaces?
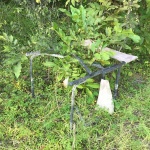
{"x":105,"y":30}
{"x":144,"y":27}
{"x":102,"y":23}
{"x":48,"y":28}
{"x":98,"y":22}
{"x":11,"y":57}
{"x":24,"y":35}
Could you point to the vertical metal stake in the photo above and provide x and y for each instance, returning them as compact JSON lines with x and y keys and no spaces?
{"x":103,"y":75}
{"x":117,"y":83}
{"x":72,"y":106}
{"x":31,"y":77}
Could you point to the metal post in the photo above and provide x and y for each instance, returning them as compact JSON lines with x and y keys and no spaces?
{"x":117,"y":83}
{"x":103,"y":75}
{"x":72,"y":106}
{"x":31,"y":77}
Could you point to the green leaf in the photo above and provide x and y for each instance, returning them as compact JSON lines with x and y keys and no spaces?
{"x":59,"y":77}
{"x":7,"y":48}
{"x":89,"y":93}
{"x":108,"y":31}
{"x":67,"y":2}
{"x":80,"y":86}
{"x":23,"y":58}
{"x":65,"y":11}
{"x":83,"y":13}
{"x":117,"y":27}
{"x":93,"y":85}
{"x":66,"y":66}
{"x":97,"y":56}
{"x":54,"y":26}
{"x":127,"y":47}
{"x":17,"y":69}
{"x":135,"y":38}
{"x":49,"y":64}
{"x":74,"y":75}
{"x":73,"y":2}
{"x":11,"y":38}
{"x":15,"y":41}
{"x":74,"y":10}
{"x":93,"y":47}
{"x":90,"y":80}
{"x":105,"y":56}
{"x":2,"y":38}
{"x":1,"y":100}
{"x":38,"y":1}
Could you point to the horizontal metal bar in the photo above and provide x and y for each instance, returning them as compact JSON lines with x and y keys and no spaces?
{"x":38,"y":53}
{"x":93,"y":74}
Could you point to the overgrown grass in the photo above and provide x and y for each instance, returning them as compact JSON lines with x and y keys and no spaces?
{"x":43,"y":122}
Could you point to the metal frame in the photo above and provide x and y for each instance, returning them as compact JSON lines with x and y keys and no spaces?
{"x":101,"y":71}
{"x":32,"y":55}
{"x":96,"y":73}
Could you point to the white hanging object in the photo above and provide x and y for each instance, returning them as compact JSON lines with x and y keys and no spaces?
{"x":105,"y":99}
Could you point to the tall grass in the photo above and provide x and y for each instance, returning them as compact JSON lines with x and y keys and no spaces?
{"x":43,"y":123}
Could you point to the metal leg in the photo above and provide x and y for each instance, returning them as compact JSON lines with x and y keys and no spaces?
{"x":79,"y":115}
{"x":72,"y":106}
{"x":31,"y":77}
{"x":103,"y":76}
{"x":117,"y":83}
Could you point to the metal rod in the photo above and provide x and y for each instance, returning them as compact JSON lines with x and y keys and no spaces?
{"x":79,"y":114}
{"x":117,"y":83}
{"x":35,"y":54}
{"x":93,"y":74}
{"x":97,"y":65}
{"x":103,"y":75}
{"x":31,"y":77}
{"x":72,"y":106}
{"x":88,"y":70}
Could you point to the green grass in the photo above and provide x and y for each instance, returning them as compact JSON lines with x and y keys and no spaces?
{"x":43,"y":122}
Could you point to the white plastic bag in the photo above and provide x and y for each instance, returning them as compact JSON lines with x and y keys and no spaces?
{"x":105,"y":99}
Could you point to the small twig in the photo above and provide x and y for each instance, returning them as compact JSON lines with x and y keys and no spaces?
{"x":120,"y":48}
